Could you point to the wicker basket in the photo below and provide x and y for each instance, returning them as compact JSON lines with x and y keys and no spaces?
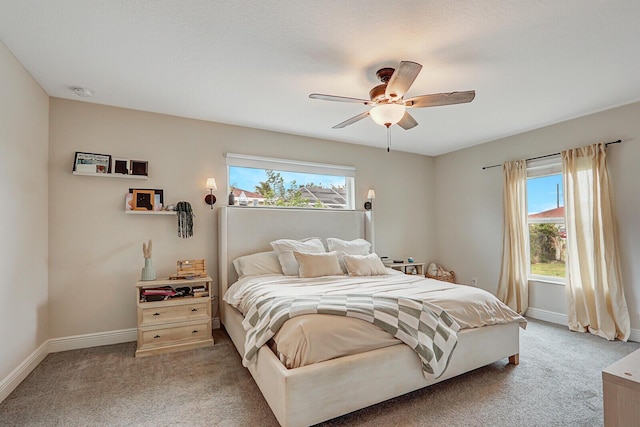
{"x":451,"y":278}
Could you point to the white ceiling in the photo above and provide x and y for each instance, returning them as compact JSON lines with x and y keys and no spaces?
{"x":254,"y":62}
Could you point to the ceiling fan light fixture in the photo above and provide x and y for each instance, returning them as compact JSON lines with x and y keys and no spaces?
{"x":387,"y":114}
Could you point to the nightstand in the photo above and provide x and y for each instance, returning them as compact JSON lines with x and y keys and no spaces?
{"x":408,"y":267}
{"x":174,"y":324}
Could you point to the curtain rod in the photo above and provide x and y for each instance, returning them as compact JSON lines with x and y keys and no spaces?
{"x":546,"y":155}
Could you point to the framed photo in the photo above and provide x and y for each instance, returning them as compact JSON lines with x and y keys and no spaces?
{"x":158,"y":198}
{"x":120,"y":166}
{"x":139,"y":167}
{"x":92,"y":163}
{"x":143,"y":200}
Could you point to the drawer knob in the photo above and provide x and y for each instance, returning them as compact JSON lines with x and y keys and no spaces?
{"x":156,"y":314}
{"x":157,"y":336}
{"x":195,"y":331}
{"x":194,"y":309}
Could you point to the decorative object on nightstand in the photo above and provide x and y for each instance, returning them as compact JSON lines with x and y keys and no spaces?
{"x":189,"y":269}
{"x":232,"y":198}
{"x":210,"y":199}
{"x":433,"y":269}
{"x":371,"y":194}
{"x":441,"y":274}
{"x":148,"y":272}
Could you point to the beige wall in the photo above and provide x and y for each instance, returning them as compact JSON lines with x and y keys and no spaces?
{"x":469,"y":224}
{"x":24,"y":110}
{"x":96,"y":249}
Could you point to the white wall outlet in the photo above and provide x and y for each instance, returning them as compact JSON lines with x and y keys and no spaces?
{"x":474,"y":281}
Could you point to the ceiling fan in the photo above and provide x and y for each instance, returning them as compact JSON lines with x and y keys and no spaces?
{"x":389,"y":107}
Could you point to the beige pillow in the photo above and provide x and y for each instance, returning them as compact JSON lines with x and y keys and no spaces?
{"x":285,"y":247}
{"x":364,"y":265}
{"x":350,"y":247}
{"x":317,"y":265}
{"x":257,"y":264}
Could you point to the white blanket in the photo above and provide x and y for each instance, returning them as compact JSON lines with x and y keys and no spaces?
{"x":470,"y":307}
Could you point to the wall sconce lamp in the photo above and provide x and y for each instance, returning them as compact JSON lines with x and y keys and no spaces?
{"x":370,"y":195}
{"x":210,"y":199}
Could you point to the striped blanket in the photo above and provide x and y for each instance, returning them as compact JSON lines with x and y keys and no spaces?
{"x":424,"y":327}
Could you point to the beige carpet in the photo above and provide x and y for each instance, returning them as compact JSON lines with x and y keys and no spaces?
{"x":558,"y":383}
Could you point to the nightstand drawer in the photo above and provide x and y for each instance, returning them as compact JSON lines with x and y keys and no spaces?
{"x":172,"y":313}
{"x":175,"y":335}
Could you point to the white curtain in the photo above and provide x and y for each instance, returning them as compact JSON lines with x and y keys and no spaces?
{"x":595,"y":295}
{"x":513,"y":288}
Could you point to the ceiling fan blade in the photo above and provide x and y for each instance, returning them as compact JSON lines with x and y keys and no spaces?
{"x":352,"y":120}
{"x":437,"y":99}
{"x":339,"y":98}
{"x":402,"y":78}
{"x":407,"y":121}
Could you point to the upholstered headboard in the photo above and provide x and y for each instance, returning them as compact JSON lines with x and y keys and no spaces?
{"x":246,"y":230}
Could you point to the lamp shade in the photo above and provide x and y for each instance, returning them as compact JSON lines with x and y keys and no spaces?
{"x":211,"y":184}
{"x":387,"y":114}
{"x":371,"y":194}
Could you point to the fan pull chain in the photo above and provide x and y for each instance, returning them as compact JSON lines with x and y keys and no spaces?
{"x":388,"y":138}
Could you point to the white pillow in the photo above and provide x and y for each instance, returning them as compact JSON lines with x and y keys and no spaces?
{"x":257,"y":264}
{"x":285,"y":247}
{"x":317,"y":265}
{"x":364,"y":265}
{"x":350,"y":247}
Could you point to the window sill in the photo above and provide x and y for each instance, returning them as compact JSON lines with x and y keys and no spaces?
{"x":548,"y":280}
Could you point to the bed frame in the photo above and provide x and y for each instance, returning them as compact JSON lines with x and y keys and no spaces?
{"x":315,"y":393}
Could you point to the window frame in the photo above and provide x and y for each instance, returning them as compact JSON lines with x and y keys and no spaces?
{"x":299,"y":166}
{"x":539,"y":168}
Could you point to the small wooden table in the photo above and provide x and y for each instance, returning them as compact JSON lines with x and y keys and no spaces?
{"x":621,"y":391}
{"x":408,"y":267}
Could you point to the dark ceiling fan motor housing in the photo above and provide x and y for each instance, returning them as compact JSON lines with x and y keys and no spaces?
{"x":378,"y":93}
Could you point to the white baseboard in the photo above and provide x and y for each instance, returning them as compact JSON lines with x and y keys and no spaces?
{"x":8,"y":384}
{"x":75,"y":342}
{"x":92,"y":340}
{"x":563,"y":319}
{"x":547,"y":316}
{"x":101,"y":338}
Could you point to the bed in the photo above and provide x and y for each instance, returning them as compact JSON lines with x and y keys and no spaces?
{"x":318,"y":392}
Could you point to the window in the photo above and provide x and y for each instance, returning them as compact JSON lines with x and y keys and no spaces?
{"x":545,"y":217}
{"x":268,"y":182}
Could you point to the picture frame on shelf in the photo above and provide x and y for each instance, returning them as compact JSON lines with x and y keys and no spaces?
{"x":139,"y":167}
{"x":157,"y":196}
{"x":120,"y":166}
{"x":143,"y":200}
{"x":91,"y":163}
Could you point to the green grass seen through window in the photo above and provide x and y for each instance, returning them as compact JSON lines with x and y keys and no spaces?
{"x":552,"y":269}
